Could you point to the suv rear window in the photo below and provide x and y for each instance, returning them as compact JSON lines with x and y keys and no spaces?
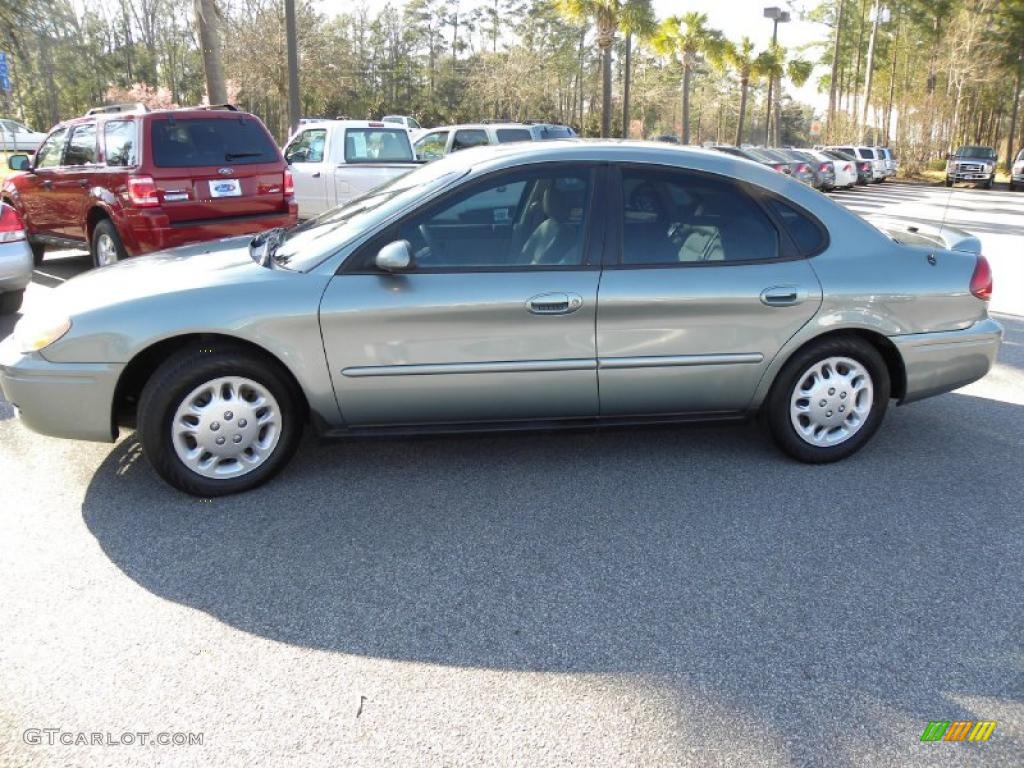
{"x":377,"y":145}
{"x":181,"y":143}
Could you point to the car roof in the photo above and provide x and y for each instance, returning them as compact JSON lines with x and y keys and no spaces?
{"x":348,"y":124}
{"x":479,"y":126}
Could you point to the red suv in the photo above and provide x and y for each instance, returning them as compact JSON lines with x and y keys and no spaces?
{"x":123,"y":181}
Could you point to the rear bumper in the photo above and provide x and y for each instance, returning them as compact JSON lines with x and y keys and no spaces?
{"x":15,"y":266}
{"x":941,"y":362}
{"x":148,"y":231}
{"x":73,"y":400}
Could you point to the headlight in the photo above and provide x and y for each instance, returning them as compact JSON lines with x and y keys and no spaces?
{"x":35,"y":332}
{"x":988,"y":167}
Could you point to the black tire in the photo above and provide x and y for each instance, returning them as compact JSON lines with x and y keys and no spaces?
{"x":777,"y":406}
{"x":989,"y":184}
{"x":177,"y":377}
{"x":11,"y":302}
{"x":105,"y":228}
{"x":1013,"y":187}
{"x":38,"y":252}
{"x":949,"y":182}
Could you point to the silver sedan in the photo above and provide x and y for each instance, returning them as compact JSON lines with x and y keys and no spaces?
{"x":15,"y":260}
{"x":515,"y":287}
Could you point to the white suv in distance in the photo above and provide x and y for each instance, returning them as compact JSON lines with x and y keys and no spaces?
{"x":1017,"y":172}
{"x":438,"y":142}
{"x":878,"y":171}
{"x":409,"y":123}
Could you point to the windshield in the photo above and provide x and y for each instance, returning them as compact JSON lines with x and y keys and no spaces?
{"x":310,"y":243}
{"x":986,"y":153}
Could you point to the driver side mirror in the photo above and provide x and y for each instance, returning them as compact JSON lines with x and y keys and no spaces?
{"x":395,"y":257}
{"x":296,"y":156}
{"x":19,"y":163}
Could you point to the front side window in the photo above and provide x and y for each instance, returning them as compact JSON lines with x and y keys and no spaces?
{"x":431,"y":146}
{"x":49,"y":153}
{"x":119,"y":142}
{"x":680,"y":218}
{"x":472,"y":137}
{"x":413,"y":124}
{"x":522,"y":219}
{"x":307,"y":147}
{"x":207,"y":141}
{"x":377,"y":145}
{"x":82,"y":146}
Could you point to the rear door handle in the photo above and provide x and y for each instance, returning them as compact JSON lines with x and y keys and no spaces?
{"x":316,"y":175}
{"x":781,"y":296}
{"x":554,"y":303}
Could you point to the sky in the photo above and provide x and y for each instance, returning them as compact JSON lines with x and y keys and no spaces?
{"x":735,"y":18}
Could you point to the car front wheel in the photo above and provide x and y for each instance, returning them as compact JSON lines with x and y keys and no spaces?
{"x":828,"y":400}
{"x":219,"y":420}
{"x":11,"y":302}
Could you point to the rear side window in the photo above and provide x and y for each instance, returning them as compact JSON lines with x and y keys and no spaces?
{"x":867,"y":154}
{"x":681,"y":218}
{"x":377,"y":145}
{"x":119,"y":143}
{"x":180,"y":143}
{"x":506,"y":135}
{"x":808,"y":235}
{"x":465,"y":139}
{"x":82,"y":146}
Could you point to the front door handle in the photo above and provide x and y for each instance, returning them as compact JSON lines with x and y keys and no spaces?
{"x":316,"y":175}
{"x":47,"y":183}
{"x":554,"y":303}
{"x":781,"y":296}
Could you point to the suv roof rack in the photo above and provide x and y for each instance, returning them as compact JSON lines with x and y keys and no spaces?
{"x":225,"y":107}
{"x":137,"y":106}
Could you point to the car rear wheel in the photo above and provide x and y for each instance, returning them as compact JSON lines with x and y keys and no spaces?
{"x":38,"y":252}
{"x":106,"y":248}
{"x":219,"y":420}
{"x":828,"y":400}
{"x":11,"y":302}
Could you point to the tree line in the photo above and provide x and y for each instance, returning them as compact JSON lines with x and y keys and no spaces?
{"x":921,"y":75}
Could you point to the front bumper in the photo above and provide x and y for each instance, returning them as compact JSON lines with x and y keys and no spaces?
{"x":943,"y":361}
{"x":15,"y":266}
{"x":73,"y":400}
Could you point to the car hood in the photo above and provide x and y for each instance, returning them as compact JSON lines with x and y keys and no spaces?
{"x":187,"y":268}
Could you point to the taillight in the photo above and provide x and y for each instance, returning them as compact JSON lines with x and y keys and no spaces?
{"x":779,"y":167}
{"x":848,"y":167}
{"x":823,"y":168}
{"x":865,"y":166}
{"x":981,"y":280}
{"x":142,"y":191}
{"x":11,"y":226}
{"x":802,"y":168}
{"x":289,"y":183}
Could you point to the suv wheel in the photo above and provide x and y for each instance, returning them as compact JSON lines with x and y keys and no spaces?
{"x":949,"y":182}
{"x":828,"y":400}
{"x":11,"y":302}
{"x":106,"y":244}
{"x":219,"y":421}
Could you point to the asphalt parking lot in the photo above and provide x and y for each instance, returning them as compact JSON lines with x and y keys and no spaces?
{"x":684,"y":597}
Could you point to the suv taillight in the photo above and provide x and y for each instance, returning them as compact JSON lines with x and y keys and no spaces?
{"x":981,"y":280}
{"x":11,"y":226}
{"x":289,"y":183}
{"x":823,"y":168}
{"x":142,"y":191}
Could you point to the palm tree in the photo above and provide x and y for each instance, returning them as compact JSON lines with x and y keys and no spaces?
{"x":748,"y":67}
{"x":638,"y":20}
{"x":690,"y":37}
{"x":776,"y":66}
{"x":609,"y":17}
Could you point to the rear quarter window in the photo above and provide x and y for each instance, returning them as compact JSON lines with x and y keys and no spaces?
{"x":809,"y":235}
{"x":119,"y":143}
{"x":181,"y":143}
{"x":506,"y":135}
{"x":377,"y":145}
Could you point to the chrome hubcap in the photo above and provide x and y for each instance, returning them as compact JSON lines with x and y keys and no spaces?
{"x":226,"y":427}
{"x":106,"y":252}
{"x":831,"y":401}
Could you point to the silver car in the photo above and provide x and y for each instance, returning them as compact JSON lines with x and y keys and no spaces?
{"x":515,"y":287}
{"x":15,"y":260}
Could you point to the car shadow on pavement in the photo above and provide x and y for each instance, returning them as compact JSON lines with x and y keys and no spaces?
{"x":881,"y":589}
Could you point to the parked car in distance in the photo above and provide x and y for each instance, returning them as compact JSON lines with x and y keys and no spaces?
{"x":799,"y":168}
{"x":546,"y":131}
{"x":409,"y":123}
{"x":822,"y":168}
{"x":16,"y":136}
{"x":541,"y":284}
{"x":889,"y":161}
{"x":866,"y":154}
{"x":334,"y":161}
{"x":972,"y":163}
{"x":123,"y":181}
{"x":668,"y":138}
{"x":438,"y":142}
{"x":1017,"y":172}
{"x":849,"y":170}
{"x":15,"y":260}
{"x":758,"y":155}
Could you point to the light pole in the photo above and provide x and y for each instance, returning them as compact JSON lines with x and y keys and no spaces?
{"x":778,"y":16}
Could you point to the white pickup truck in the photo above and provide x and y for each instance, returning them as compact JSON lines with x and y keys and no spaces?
{"x":333,"y":161}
